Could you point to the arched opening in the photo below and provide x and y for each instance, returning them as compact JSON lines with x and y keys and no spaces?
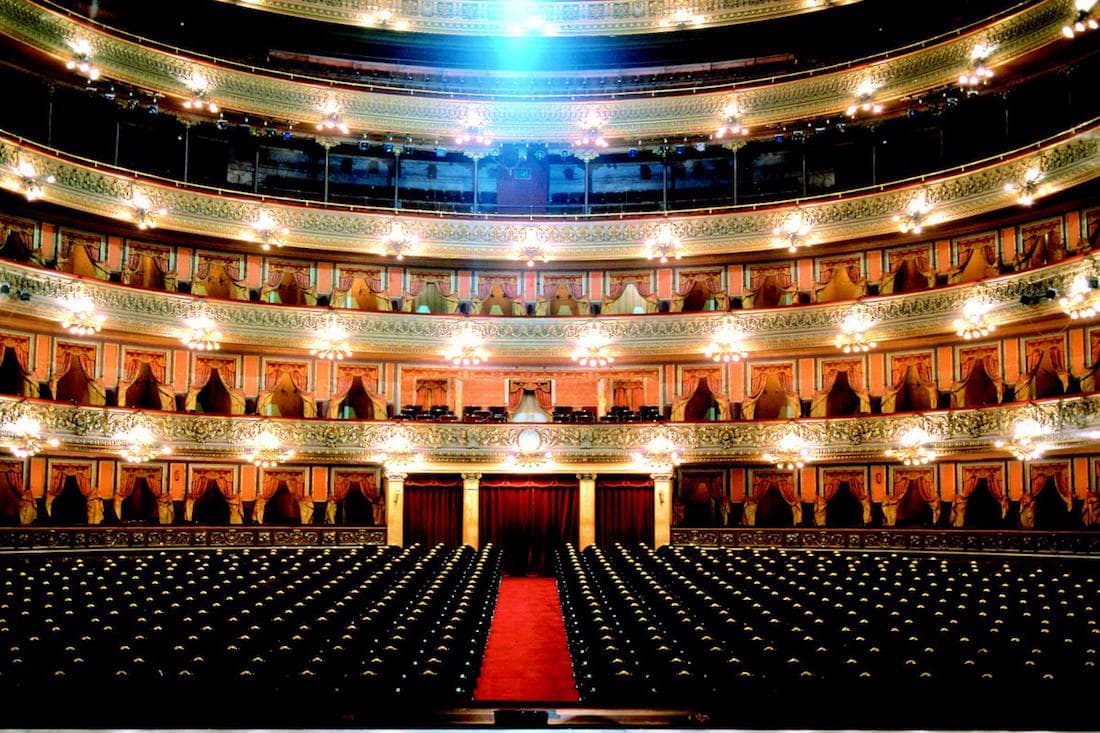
{"x":913,"y":510}
{"x":773,"y":401}
{"x":147,"y":274}
{"x":70,"y":507}
{"x":17,"y":247}
{"x":282,"y":507}
{"x":140,"y":507}
{"x":218,"y":284}
{"x":289,"y":292}
{"x":844,"y":509}
{"x":286,"y":400}
{"x":357,"y":402}
{"x":144,"y":391}
{"x":360,"y":509}
{"x":772,"y":510}
{"x":214,"y":397}
{"x":908,"y":278}
{"x":562,"y":303}
{"x":702,"y":405}
{"x":983,"y":511}
{"x":11,"y":500}
{"x":1051,"y":511}
{"x":698,"y":299}
{"x":12,"y":376}
{"x":842,"y":399}
{"x":1047,"y":382}
{"x":912,"y":395}
{"x":980,"y":388}
{"x":212,"y":507}
{"x":73,"y":384}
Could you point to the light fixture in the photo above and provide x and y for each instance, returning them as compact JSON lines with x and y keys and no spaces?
{"x":1028,"y":188}
{"x":31,"y":184}
{"x":81,"y":318}
{"x":473,"y":129}
{"x":23,"y":437}
{"x":917,"y":214}
{"x":1081,"y":300}
{"x":200,"y":101}
{"x":140,"y":445}
{"x":978,"y":73}
{"x":201,"y":333}
{"x":913,"y":448}
{"x":331,"y":341}
{"x":1083,"y":19}
{"x":532,"y":247}
{"x":1025,"y":444}
{"x":530,"y":455}
{"x":268,"y":231}
{"x":267,"y":450}
{"x":522,"y":17}
{"x":398,"y":241}
{"x":398,"y":453}
{"x":793,"y":231}
{"x":865,"y":100}
{"x":731,"y":122}
{"x":852,"y":337}
{"x":974,"y":322}
{"x":592,"y":124}
{"x":791,"y":452}
{"x":383,"y":18}
{"x":331,"y":121}
{"x":660,"y":454}
{"x":593,"y":349}
{"x":466,"y":347}
{"x":664,"y":244}
{"x":81,"y":60}
{"x":727,"y":342}
{"x":143,"y":212}
{"x":682,"y":18}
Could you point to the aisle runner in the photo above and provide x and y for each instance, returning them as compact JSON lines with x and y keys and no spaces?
{"x":527,"y":657}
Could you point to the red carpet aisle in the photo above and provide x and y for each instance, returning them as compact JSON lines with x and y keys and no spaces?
{"x":527,"y":657}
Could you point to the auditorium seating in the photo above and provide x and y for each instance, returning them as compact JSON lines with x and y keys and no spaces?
{"x":252,"y":637}
{"x":789,"y":638}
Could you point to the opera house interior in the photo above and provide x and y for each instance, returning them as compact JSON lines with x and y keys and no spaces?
{"x":726,"y":363}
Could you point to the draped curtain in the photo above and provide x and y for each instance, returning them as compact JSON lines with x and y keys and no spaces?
{"x":782,"y":279}
{"x":485,"y":285}
{"x":852,"y":271}
{"x":232,"y":267}
{"x":12,"y":474}
{"x":156,"y":362}
{"x":299,"y":274}
{"x":1038,"y":480}
{"x":223,"y":482}
{"x":691,"y":381}
{"x":708,"y":282}
{"x":528,"y":517}
{"x":628,"y":394}
{"x":82,"y":474}
{"x":431,"y":392}
{"x":345,"y":376}
{"x":205,"y":368}
{"x":857,"y":484}
{"x":442,"y":283}
{"x":433,"y":510}
{"x":971,"y":478}
{"x":373,"y":279}
{"x":760,"y":379}
{"x":159,"y":257}
{"x":902,"y":484}
{"x":618,"y":285}
{"x":900,"y":366}
{"x":153,"y":476}
{"x":92,"y":245}
{"x":918,"y":257}
{"x":1057,"y":358}
{"x":366,"y":484}
{"x":785,"y":483}
{"x":297,"y":373}
{"x":574,"y":286}
{"x":542,"y":390}
{"x":624,"y":510}
{"x":295,"y":484}
{"x":20,"y":346}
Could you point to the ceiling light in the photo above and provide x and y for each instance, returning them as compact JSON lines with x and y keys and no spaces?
{"x":592,"y":125}
{"x":473,"y":129}
{"x":731,"y":122}
{"x":664,"y":244}
{"x":864,"y":101}
{"x":793,"y":231}
{"x":31,"y":184}
{"x":593,"y":349}
{"x":659,"y":455}
{"x":140,"y":445}
{"x":917,"y":215}
{"x":201,"y":334}
{"x":1081,"y":300}
{"x":331,"y":341}
{"x":1083,"y":19}
{"x":791,"y":452}
{"x":383,"y":18}
{"x":81,"y":60}
{"x":531,"y":247}
{"x":853,"y":338}
{"x":978,"y":73}
{"x":727,"y":342}
{"x":267,"y":450}
{"x":23,"y":437}
{"x":398,"y":241}
{"x":466,"y":347}
{"x":913,"y":448}
{"x":1028,"y":188}
{"x":1025,"y":444}
{"x":331,"y":121}
{"x":974,"y":322}
{"x":682,"y":18}
{"x":398,"y":453}
{"x":268,"y":231}
{"x":81,"y":318}
{"x":200,"y":101}
{"x":143,"y":212}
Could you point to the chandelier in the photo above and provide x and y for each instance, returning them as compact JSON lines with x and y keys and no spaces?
{"x":665,"y":244}
{"x":268,"y":231}
{"x":331,"y":342}
{"x":31,"y":185}
{"x":143,"y":212}
{"x":916,"y":215}
{"x":81,"y":60}
{"x":682,"y":18}
{"x":200,"y":101}
{"x":398,"y":242}
{"x":659,"y":454}
{"x":974,"y":322}
{"x":1027,"y":189}
{"x":727,"y":343}
{"x":592,"y":125}
{"x":913,"y":448}
{"x":530,"y":455}
{"x":267,"y":450}
{"x":331,"y":121}
{"x":1081,"y":300}
{"x":979,"y":72}
{"x":201,"y":334}
{"x":790,"y":453}
{"x":398,"y":453}
{"x":592,"y":349}
{"x":473,"y":124}
{"x":852,"y":338}
{"x":731,"y":122}
{"x":865,"y":101}
{"x":531,"y":247}
{"x":466,"y":347}
{"x":23,"y":437}
{"x":793,"y":231}
{"x":383,"y":18}
{"x":81,"y":318}
{"x":1025,"y":444}
{"x":1083,"y":19}
{"x":140,"y":445}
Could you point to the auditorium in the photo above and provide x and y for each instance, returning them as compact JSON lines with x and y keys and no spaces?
{"x":550,"y":363}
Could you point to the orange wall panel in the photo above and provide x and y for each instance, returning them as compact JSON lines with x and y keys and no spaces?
{"x":250,"y":366}
{"x":945,"y":365}
{"x":249,"y":481}
{"x":48,"y":246}
{"x":947,"y":481}
{"x":735,"y":276}
{"x":324,"y":278}
{"x":114,"y":254}
{"x":1077,"y":359}
{"x":254,"y":271}
{"x":1015,"y":480}
{"x":664,"y":283}
{"x":809,"y":483}
{"x":943,"y":255}
{"x":874,"y":265}
{"x":876,"y":372}
{"x":878,"y":483}
{"x":1011,"y":370}
{"x":465,"y":284}
{"x":1081,"y":477}
{"x":183,"y":263}
{"x":38,"y":477}
{"x":319,"y":483}
{"x":177,"y":480}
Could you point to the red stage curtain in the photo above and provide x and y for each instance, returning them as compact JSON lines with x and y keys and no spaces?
{"x":624,"y":510}
{"x":433,"y":510}
{"x":528,"y":517}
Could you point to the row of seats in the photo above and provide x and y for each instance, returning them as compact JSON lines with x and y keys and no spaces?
{"x":242,"y":637}
{"x":829,"y":638}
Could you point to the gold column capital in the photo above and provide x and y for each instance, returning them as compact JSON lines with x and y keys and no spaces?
{"x":586,"y":476}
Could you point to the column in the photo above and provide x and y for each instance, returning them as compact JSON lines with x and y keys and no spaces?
{"x":395,"y":512}
{"x":587,"y":534}
{"x":662,"y":508}
{"x":471,"y":483}
{"x":327,"y":145}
